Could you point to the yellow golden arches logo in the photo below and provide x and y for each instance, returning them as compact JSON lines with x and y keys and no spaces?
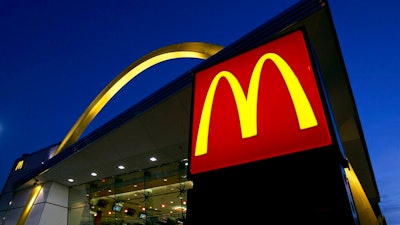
{"x":199,"y":50}
{"x":247,"y":106}
{"x":19,"y":165}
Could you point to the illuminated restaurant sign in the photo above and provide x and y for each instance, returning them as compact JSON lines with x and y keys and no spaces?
{"x":257,"y":105}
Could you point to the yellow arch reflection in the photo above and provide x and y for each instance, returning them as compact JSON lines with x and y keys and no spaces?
{"x":198,"y":50}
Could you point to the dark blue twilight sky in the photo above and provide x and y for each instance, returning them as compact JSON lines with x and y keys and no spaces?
{"x":56,"y":56}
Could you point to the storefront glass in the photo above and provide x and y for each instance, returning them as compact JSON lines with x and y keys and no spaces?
{"x":151,"y":196}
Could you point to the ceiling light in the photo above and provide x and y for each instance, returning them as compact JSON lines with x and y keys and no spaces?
{"x":153,"y":159}
{"x":70,"y":180}
{"x":121,"y":167}
{"x":93,"y":174}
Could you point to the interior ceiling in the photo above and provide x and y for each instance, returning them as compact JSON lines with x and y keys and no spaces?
{"x":161,"y":132}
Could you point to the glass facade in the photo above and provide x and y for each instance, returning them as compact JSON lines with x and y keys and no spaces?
{"x":150,"y":196}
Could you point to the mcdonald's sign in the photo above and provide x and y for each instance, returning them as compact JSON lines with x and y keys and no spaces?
{"x":260,"y":104}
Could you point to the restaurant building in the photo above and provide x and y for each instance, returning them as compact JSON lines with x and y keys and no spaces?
{"x":262,"y":131}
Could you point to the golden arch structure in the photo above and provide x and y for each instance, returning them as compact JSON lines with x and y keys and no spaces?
{"x":199,"y":50}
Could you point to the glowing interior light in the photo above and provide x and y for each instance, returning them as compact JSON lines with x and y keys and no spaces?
{"x":121,"y":167}
{"x":153,"y":159}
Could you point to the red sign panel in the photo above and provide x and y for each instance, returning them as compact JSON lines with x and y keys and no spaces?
{"x":260,"y":104}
